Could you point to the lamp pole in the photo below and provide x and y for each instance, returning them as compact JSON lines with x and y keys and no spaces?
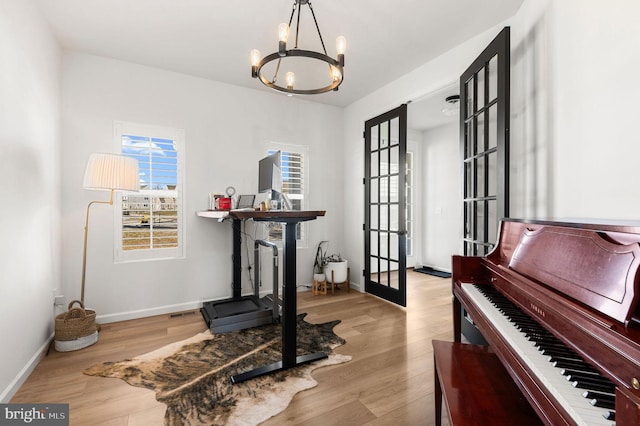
{"x":86,"y":233}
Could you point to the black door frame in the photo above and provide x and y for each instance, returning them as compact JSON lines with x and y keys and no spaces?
{"x":385,"y":289}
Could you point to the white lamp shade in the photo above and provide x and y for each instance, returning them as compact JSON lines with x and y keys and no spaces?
{"x":111,"y":172}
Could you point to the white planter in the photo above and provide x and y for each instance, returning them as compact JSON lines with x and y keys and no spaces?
{"x":339,"y":270}
{"x":318,"y":277}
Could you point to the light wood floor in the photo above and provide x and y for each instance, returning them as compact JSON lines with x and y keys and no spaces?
{"x":388,"y":382}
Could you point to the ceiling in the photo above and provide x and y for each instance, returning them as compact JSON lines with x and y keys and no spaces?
{"x":212,"y":38}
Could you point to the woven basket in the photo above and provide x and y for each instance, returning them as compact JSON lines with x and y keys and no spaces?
{"x":75,"y":323}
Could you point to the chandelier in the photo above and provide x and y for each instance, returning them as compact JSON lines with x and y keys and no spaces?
{"x":287,"y":59}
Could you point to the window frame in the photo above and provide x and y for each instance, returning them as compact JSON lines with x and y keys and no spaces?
{"x":122,"y":128}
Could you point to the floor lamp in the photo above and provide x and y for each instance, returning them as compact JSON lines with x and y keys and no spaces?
{"x":107,"y":172}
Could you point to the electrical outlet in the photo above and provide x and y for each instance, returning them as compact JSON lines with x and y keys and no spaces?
{"x":58,"y":300}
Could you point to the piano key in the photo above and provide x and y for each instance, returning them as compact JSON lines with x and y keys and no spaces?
{"x":568,"y":397}
{"x":594,"y":394}
{"x":609,"y":403}
{"x":584,"y":384}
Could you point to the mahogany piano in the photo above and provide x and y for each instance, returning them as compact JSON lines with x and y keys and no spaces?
{"x":558,"y":303}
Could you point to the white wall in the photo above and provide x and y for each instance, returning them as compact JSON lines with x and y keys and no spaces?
{"x":226,"y":130}
{"x":441,"y":206}
{"x":29,"y":172}
{"x":576,"y":109}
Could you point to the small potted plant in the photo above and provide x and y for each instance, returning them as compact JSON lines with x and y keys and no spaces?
{"x":335,"y":268}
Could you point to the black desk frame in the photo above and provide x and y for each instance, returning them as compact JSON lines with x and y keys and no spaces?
{"x":289,"y":308}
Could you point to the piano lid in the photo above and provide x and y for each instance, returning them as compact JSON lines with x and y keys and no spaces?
{"x":597,"y":268}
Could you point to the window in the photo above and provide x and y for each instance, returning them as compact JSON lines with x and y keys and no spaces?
{"x":292,"y":165}
{"x":149,"y":222}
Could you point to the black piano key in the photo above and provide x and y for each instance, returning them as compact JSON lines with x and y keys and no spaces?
{"x":611,"y":405}
{"x":569,"y":372}
{"x":595,"y":395}
{"x":603,"y":400}
{"x":595,"y":380}
{"x":572,"y":364}
{"x":578,"y":375}
{"x":568,"y":358}
{"x":611,"y":415}
{"x":581,"y":384}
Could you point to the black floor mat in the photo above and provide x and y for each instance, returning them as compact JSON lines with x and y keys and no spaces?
{"x":431,"y":271}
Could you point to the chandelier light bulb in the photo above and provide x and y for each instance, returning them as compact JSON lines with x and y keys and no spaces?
{"x":290,"y":78}
{"x":283,"y":32}
{"x":341,"y":45}
{"x":255,"y":60}
{"x":335,"y":73}
{"x":255,"y":57}
{"x":283,"y":35}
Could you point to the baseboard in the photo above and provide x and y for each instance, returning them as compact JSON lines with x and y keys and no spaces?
{"x":143,"y":313}
{"x":26,"y":371}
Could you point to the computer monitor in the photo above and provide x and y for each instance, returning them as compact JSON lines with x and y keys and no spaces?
{"x":270,"y":179}
{"x":270,"y":175}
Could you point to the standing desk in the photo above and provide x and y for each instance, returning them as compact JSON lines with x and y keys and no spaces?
{"x":289,"y":308}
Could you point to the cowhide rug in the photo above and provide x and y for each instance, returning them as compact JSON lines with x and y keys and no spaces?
{"x":192,"y":377}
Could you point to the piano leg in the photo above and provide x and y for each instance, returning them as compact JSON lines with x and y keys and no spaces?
{"x":457,"y":324}
{"x":437,"y":394}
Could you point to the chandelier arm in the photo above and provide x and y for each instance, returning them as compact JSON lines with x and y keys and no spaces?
{"x":297,"y":28}
{"x":317,"y":28}
{"x":275,"y":75}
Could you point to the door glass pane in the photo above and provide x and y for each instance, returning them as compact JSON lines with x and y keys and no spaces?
{"x":374,"y":190}
{"x":384,"y":218}
{"x":468,"y":173}
{"x":493,"y":224}
{"x":393,"y":275}
{"x":394,"y":221}
{"x":384,"y":134}
{"x":480,"y":77}
{"x":373,"y":266}
{"x":394,"y":159}
{"x":394,"y":189}
{"x":374,"y":243}
{"x":394,"y":247}
{"x":492,"y":164}
{"x":470,"y":222}
{"x":395,"y":132}
{"x":384,"y":162}
{"x":480,"y":134}
{"x":493,"y":126}
{"x":480,"y":175}
{"x":470,"y":141}
{"x":374,"y":137}
{"x":470,"y":94}
{"x":384,"y":189}
{"x":373,"y":220}
{"x":493,"y":78}
{"x":480,"y":216}
{"x":374,"y":164}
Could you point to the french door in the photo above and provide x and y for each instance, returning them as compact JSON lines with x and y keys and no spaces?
{"x":484,"y":145}
{"x":385,"y":205}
